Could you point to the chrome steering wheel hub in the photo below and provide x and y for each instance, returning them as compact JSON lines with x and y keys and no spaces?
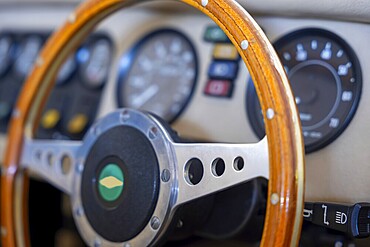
{"x":119,"y":196}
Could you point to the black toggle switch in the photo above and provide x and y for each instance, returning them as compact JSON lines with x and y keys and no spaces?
{"x":351,"y":219}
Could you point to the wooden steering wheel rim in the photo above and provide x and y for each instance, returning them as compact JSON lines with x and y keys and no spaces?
{"x":285,"y":142}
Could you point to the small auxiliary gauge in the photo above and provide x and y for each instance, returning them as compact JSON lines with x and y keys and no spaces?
{"x":159,"y":74}
{"x":95,"y":62}
{"x":6,"y":44}
{"x":325,"y":77}
{"x":27,"y":54}
{"x":66,"y":70}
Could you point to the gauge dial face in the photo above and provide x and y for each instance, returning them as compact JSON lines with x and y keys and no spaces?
{"x":5,"y":53}
{"x":95,"y":63}
{"x":159,"y":74}
{"x":325,"y":77}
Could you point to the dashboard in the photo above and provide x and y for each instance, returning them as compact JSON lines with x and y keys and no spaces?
{"x":176,"y":63}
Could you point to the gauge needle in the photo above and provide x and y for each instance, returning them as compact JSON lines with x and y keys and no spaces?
{"x":145,"y":96}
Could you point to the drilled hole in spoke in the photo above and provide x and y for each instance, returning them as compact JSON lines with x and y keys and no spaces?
{"x":194,"y":171}
{"x":65,"y":164}
{"x":238,"y":163}
{"x":218,"y":167}
{"x":50,"y":159}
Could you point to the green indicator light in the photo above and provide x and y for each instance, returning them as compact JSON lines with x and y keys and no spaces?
{"x":111,"y":182}
{"x":215,"y":34}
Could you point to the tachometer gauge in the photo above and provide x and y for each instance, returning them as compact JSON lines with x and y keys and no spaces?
{"x":325,"y":76}
{"x":28,"y":51}
{"x":6,"y":44}
{"x":159,"y":74}
{"x":95,"y":63}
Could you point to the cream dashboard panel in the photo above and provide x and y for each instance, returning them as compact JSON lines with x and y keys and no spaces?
{"x":338,"y":172}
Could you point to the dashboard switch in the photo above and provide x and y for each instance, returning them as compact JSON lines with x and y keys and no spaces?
{"x":215,"y":34}
{"x":351,"y":219}
{"x":219,"y":88}
{"x":50,"y":119}
{"x":78,"y":123}
{"x":223,"y":70}
{"x":225,"y":52}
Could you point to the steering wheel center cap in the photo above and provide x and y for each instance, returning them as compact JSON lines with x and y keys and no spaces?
{"x":111,"y":182}
{"x":119,"y":191}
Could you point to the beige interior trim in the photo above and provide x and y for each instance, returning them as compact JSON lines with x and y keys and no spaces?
{"x":358,"y":10}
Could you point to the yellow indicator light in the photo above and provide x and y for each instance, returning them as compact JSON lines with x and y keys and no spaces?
{"x":77,"y":124}
{"x":50,"y":119}
{"x":225,"y":51}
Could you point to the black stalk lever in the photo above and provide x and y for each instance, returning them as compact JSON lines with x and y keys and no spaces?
{"x":351,"y":219}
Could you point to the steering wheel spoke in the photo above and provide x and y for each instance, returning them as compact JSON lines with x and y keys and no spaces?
{"x":207,"y":168}
{"x":52,"y":160}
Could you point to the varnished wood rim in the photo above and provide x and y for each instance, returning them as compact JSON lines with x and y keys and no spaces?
{"x":286,"y":183}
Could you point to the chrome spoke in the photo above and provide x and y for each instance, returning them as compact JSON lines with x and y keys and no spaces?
{"x":223,"y":165}
{"x":52,"y":160}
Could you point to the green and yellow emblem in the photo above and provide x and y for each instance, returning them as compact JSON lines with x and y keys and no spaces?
{"x":111,"y":182}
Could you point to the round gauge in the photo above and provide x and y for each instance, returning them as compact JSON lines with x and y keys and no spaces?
{"x":28,"y":51}
{"x":6,"y":45}
{"x":66,"y":70}
{"x":95,"y":63}
{"x":325,"y":77}
{"x":159,"y":74}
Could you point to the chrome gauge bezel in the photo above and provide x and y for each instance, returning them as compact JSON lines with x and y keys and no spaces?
{"x":128,"y":58}
{"x":328,"y":138}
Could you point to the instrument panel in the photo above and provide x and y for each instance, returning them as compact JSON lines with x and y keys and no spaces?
{"x":75,"y":99}
{"x":216,"y":109}
{"x":324,"y":72}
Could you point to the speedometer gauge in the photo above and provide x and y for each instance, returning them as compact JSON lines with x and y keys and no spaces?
{"x":325,"y":77}
{"x":158,"y":75}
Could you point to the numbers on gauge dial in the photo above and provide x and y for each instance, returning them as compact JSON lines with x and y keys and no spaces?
{"x":325,"y":77}
{"x":158,"y":74}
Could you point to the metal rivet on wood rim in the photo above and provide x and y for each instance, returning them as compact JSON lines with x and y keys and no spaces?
{"x":4,"y":232}
{"x":39,"y":61}
{"x":244,"y":44}
{"x":72,"y":18}
{"x":16,"y":113}
{"x":270,"y":113}
{"x":274,"y":199}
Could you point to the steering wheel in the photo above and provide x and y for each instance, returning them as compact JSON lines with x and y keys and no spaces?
{"x":129,"y":175}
